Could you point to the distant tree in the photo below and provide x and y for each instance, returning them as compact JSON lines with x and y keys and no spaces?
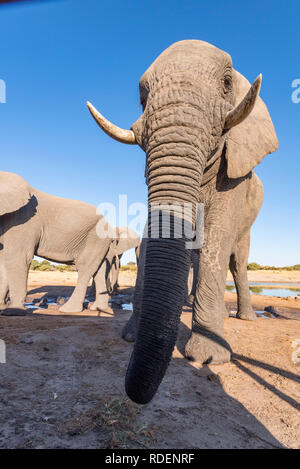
{"x":34,"y":265}
{"x":46,"y":266}
{"x":65,"y":268}
{"x":253,"y":266}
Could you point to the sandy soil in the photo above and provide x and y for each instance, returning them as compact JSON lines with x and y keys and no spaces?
{"x":127,"y":278}
{"x":62,"y":384}
{"x":283,"y":276}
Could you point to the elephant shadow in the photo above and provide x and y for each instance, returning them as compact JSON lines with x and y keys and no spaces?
{"x":191,"y":397}
{"x":67,"y":290}
{"x":52,"y":290}
{"x":191,"y":406}
{"x":213,"y":410}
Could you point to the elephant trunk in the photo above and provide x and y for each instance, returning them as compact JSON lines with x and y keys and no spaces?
{"x":166,"y":270}
{"x":174,"y":174}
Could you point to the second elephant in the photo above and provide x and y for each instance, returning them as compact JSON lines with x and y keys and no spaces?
{"x":60,"y":230}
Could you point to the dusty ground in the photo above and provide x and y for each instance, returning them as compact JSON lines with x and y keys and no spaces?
{"x":282,"y":276}
{"x":127,"y":278}
{"x":62,"y":384}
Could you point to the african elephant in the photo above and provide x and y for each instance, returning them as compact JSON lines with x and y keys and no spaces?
{"x":57,"y":229}
{"x":203,"y":128}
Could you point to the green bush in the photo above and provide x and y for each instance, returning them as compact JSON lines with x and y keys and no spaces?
{"x":254,"y":266}
{"x":129,"y":267}
{"x":34,"y":265}
{"x":46,"y":266}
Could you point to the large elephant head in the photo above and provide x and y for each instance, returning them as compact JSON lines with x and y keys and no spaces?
{"x":195,"y":107}
{"x":14,"y":192}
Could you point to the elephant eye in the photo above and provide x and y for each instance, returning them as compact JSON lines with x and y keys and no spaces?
{"x":227,"y":82}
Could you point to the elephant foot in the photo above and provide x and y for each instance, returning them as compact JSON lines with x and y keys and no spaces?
{"x":100,"y":307}
{"x":14,"y":311}
{"x":71,"y":308}
{"x":130,"y":329}
{"x":207,"y":347}
{"x":246,"y":315}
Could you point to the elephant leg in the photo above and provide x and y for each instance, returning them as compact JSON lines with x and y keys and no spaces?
{"x":118,"y":264}
{"x":102,"y":296}
{"x":207,"y":343}
{"x":3,"y":283}
{"x":238,"y":268}
{"x":130,"y":329}
{"x":87,"y":264}
{"x":114,"y":274}
{"x":17,"y":267}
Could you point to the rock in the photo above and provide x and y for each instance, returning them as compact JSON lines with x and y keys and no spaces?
{"x":268,"y":315}
{"x":61,"y":300}
{"x":271,"y":310}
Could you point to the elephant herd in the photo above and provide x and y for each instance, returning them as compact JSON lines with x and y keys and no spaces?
{"x":203,"y":129}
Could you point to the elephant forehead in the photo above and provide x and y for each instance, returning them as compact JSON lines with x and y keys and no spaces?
{"x":188,"y":51}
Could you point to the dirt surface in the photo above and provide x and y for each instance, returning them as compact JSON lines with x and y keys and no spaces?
{"x":62,"y":385}
{"x":127,"y":278}
{"x":279,"y":276}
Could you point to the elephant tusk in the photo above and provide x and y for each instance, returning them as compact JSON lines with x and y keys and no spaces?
{"x":240,"y":112}
{"x":122,"y":135}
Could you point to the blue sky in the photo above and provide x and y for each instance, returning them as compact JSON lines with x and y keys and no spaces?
{"x":55,"y":55}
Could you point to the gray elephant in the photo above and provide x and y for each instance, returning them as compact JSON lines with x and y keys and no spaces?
{"x":57,"y":229}
{"x":203,"y":128}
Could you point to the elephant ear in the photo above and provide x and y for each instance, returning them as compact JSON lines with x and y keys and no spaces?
{"x":250,"y":141}
{"x":14,"y":192}
{"x":127,"y":239}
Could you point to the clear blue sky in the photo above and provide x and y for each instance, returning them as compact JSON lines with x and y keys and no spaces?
{"x":55,"y":55}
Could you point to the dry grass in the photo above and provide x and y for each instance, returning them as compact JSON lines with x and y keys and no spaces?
{"x":117,"y":415}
